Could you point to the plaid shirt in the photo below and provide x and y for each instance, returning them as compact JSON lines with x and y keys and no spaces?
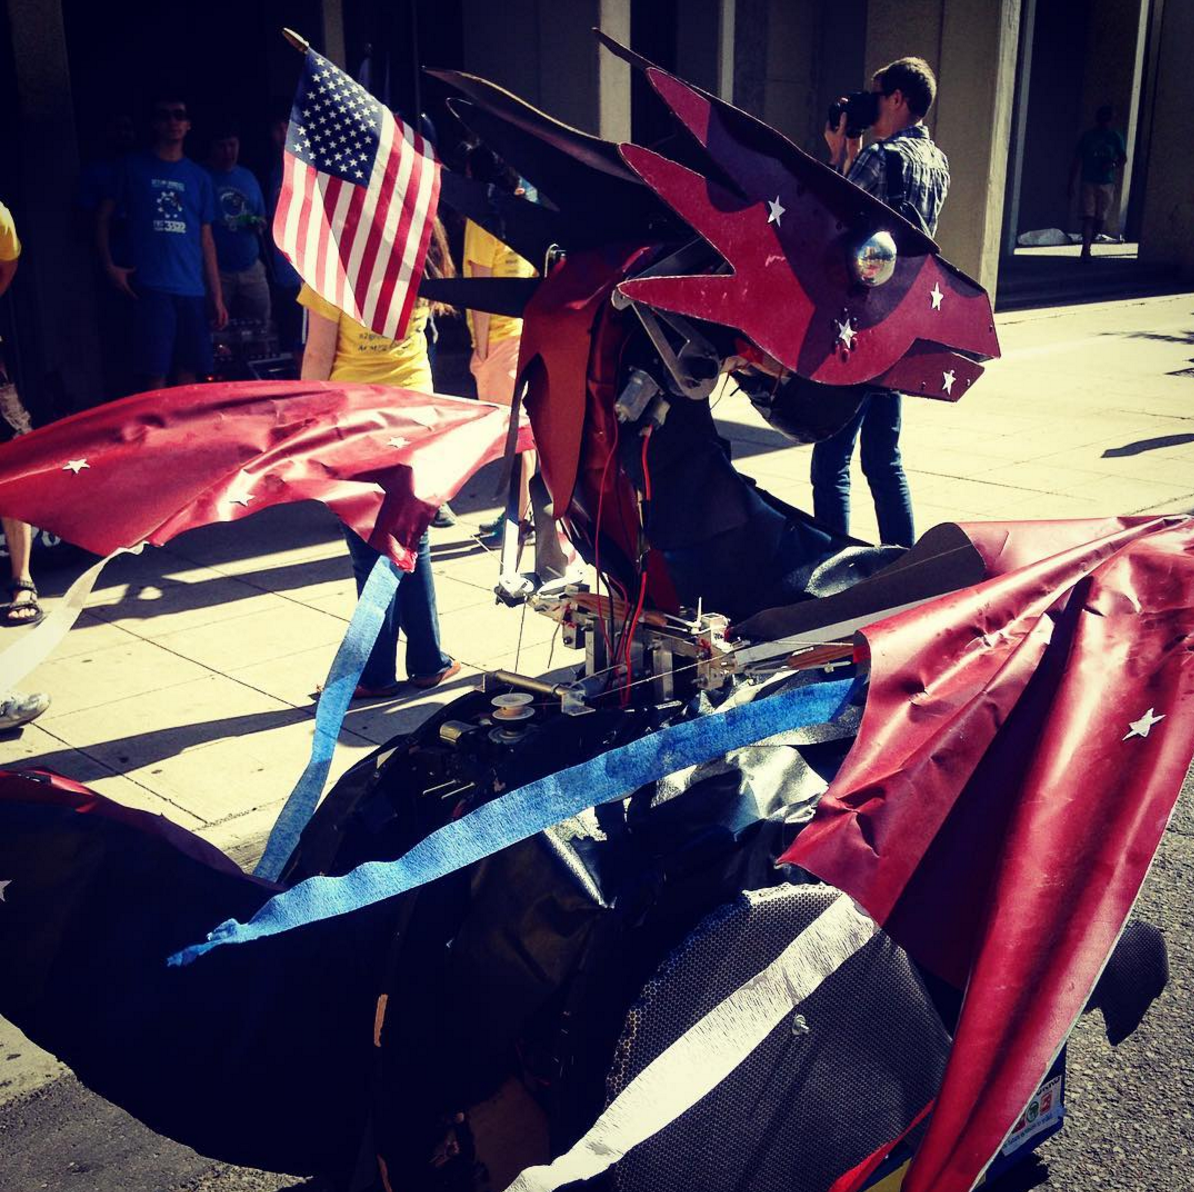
{"x":926,"y":171}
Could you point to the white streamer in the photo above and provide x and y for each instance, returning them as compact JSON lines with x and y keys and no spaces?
{"x":711,"y":1049}
{"x":37,"y":644}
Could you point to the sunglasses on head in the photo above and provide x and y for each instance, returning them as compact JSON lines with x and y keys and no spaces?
{"x":170,"y":114}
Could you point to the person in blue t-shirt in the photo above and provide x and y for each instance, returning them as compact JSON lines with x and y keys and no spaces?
{"x":169,"y":203}
{"x":240,"y":219}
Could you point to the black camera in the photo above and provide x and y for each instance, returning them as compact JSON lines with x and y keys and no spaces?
{"x":861,"y":108}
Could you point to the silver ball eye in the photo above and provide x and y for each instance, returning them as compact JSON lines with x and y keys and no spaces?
{"x":874,"y":260}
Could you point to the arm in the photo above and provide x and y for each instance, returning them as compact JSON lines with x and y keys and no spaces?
{"x":842,"y":149}
{"x":103,"y":224}
{"x":480,"y":317}
{"x":1075,"y":173}
{"x":211,"y":271}
{"x":8,"y":270}
{"x":321,"y":348}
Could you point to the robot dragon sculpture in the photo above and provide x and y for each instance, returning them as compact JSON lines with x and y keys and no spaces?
{"x":779,"y":888}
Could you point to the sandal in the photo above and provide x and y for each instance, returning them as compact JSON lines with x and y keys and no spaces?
{"x":23,"y":606}
{"x":426,"y":682}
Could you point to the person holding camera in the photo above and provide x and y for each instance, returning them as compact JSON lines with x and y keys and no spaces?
{"x":903,"y":168}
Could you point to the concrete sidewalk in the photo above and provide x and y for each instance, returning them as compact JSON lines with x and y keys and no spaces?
{"x":186,"y":687}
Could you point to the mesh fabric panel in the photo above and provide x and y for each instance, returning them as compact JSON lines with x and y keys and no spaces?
{"x":819,"y":1094}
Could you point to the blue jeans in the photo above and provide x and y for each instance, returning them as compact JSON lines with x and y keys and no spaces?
{"x":878,"y":417}
{"x":412,"y":610}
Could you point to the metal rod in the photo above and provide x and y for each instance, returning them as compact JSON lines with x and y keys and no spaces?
{"x":525,"y":683}
{"x":300,"y":43}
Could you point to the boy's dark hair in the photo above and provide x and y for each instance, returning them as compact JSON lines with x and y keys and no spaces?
{"x":223,"y":126}
{"x":166,"y":97}
{"x":914,"y":77}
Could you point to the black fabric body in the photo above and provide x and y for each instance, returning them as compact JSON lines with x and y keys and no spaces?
{"x":243,"y":1055}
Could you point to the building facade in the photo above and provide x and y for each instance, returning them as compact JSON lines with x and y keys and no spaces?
{"x":1019,"y":81}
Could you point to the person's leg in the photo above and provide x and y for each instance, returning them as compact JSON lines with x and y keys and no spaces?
{"x":830,"y":474}
{"x":884,"y":469}
{"x":253,"y":294}
{"x":419,"y":618}
{"x":381,"y":668}
{"x":153,"y":338}
{"x":495,"y":377}
{"x":19,"y":537}
{"x":1089,"y":199}
{"x":192,"y":348}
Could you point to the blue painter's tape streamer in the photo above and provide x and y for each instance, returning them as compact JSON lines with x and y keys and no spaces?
{"x":342,"y":679}
{"x":522,"y":813}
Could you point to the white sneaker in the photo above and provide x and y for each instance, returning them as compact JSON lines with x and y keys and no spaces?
{"x":17,"y":709}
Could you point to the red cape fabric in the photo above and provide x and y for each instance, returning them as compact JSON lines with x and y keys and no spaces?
{"x":156,"y":464}
{"x":1022,"y":749}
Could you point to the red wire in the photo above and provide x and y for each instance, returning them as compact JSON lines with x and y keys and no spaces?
{"x":642,"y":587}
{"x":638,"y":612}
{"x":613,"y":447}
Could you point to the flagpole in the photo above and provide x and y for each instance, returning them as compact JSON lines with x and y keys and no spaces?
{"x":300,"y":43}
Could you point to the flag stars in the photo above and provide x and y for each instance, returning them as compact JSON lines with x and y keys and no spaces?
{"x":777,"y":211}
{"x":947,"y":382}
{"x":936,"y":296}
{"x":75,"y":465}
{"x":1143,"y":726}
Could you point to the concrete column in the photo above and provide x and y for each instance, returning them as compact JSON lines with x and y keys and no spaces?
{"x":332,"y":16}
{"x":613,"y":75}
{"x":57,"y":254}
{"x":544,"y":52}
{"x":725,"y":50}
{"x":1167,"y":224}
{"x":1011,"y":214}
{"x":976,"y":81}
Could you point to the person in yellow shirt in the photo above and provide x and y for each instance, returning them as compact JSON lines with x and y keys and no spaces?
{"x":14,"y":420}
{"x":494,"y":362}
{"x":16,"y":709}
{"x":341,"y":349}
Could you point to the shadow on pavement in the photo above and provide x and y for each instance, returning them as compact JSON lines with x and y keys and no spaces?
{"x":1140,"y":446}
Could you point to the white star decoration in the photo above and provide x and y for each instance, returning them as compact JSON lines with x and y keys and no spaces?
{"x":845,"y":333}
{"x":396,"y":442}
{"x":1143,"y":726}
{"x":947,"y":382}
{"x":935,"y":296}
{"x":4,"y":886}
{"x":242,"y":500}
{"x":75,"y":465}
{"x":777,"y":211}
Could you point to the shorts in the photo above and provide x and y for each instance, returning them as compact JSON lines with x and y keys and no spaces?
{"x":495,"y":374}
{"x":170,"y":331}
{"x":14,"y":418}
{"x":246,"y":293}
{"x":1097,"y":198}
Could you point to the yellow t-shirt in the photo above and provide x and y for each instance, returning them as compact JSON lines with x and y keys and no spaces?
{"x":363,"y":355}
{"x":480,"y":248}
{"x":10,"y":245}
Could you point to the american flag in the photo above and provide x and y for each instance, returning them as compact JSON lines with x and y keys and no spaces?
{"x":358,"y":200}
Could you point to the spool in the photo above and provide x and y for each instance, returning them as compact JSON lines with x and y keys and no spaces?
{"x":514,"y":706}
